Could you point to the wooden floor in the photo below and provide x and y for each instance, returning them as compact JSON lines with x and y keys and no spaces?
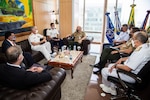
{"x":94,"y":91}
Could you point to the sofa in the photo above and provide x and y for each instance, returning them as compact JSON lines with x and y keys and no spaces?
{"x":50,"y":90}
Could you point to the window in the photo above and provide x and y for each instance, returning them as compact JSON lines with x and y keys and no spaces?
{"x":91,"y":14}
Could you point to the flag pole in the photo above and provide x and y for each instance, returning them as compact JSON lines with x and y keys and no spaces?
{"x":104,"y":22}
{"x":116,"y":10}
{"x":116,"y":22}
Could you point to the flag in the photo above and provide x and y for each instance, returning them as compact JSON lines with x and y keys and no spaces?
{"x":131,"y":17}
{"x":145,"y":20}
{"x":109,"y":29}
{"x":118,"y":23}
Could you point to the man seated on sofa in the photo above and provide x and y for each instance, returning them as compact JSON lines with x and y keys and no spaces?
{"x":9,"y":41}
{"x":78,"y":36}
{"x":134,"y":63}
{"x":54,"y":37}
{"x":14,"y":75}
{"x":114,"y":54}
{"x":38,"y":42}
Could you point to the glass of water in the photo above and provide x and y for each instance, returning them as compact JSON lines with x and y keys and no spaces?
{"x":78,"y":48}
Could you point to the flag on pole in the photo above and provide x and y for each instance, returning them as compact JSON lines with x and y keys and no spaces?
{"x":117,"y":23}
{"x":145,"y":20}
{"x":109,"y":29}
{"x":131,"y":17}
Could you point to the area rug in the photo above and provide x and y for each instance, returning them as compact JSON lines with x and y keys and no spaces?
{"x":74,"y":89}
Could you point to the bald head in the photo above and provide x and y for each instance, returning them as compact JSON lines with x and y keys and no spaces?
{"x":78,"y":29}
{"x":13,"y":54}
{"x":34,"y":29}
{"x":141,"y":36}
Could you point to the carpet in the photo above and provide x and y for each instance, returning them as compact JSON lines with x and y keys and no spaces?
{"x":74,"y":89}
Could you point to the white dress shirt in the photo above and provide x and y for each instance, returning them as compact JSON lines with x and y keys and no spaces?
{"x":122,"y":36}
{"x":52,"y":33}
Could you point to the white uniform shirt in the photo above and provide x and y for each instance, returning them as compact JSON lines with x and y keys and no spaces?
{"x":138,"y":58}
{"x":122,"y":36}
{"x":34,"y":38}
{"x":52,"y":33}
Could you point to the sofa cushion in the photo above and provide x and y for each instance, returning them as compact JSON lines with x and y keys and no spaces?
{"x":25,"y":46}
{"x":37,"y":56}
{"x":44,"y":91}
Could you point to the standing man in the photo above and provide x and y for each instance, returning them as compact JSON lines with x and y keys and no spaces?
{"x":54,"y":37}
{"x":9,"y":41}
{"x":38,"y":42}
{"x":133,"y":63}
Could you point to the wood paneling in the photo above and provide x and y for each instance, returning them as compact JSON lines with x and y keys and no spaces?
{"x":42,"y":13}
{"x":69,"y":16}
{"x":65,"y":16}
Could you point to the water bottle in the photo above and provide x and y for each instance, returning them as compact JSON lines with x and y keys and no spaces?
{"x":70,"y":57}
{"x":74,"y":47}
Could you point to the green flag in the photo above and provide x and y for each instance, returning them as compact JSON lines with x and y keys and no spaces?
{"x":131,"y":17}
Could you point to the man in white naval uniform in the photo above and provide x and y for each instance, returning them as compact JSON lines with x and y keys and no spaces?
{"x":38,"y":42}
{"x":54,"y":37}
{"x":133,"y":63}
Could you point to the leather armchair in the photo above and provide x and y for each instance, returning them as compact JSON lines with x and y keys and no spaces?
{"x":85,"y":45}
{"x":132,"y":91}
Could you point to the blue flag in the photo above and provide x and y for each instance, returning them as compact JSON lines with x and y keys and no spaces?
{"x":118,"y":23}
{"x":109,"y":29}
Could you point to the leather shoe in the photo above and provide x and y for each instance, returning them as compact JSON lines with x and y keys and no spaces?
{"x":96,"y":72}
{"x":95,"y":65}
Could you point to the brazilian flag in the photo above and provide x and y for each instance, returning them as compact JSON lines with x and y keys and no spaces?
{"x":131,"y":17}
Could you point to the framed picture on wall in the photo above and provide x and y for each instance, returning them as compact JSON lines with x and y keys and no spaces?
{"x":15,"y":14}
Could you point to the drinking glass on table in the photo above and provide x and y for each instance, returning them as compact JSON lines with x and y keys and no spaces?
{"x":78,"y":48}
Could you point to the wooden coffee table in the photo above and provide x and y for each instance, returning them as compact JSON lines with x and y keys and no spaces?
{"x":63,"y":60}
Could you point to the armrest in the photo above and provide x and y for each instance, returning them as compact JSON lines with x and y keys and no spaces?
{"x":88,"y":40}
{"x":124,"y":54}
{"x":70,"y":38}
{"x":134,"y":76}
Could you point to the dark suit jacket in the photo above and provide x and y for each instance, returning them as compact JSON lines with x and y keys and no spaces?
{"x":28,"y":59}
{"x":19,"y":78}
{"x":5,"y":45}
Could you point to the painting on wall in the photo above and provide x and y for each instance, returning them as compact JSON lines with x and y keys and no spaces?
{"x":15,"y":14}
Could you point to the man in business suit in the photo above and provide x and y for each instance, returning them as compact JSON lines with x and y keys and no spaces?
{"x":10,"y":41}
{"x":14,"y":75}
